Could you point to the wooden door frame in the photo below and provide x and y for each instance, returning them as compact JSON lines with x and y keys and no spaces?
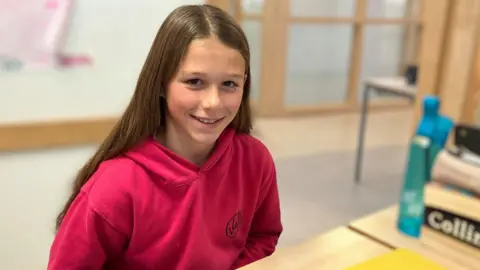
{"x":460,"y":61}
{"x":435,"y":17}
{"x":471,"y":107}
{"x":453,"y":54}
{"x":275,"y":21}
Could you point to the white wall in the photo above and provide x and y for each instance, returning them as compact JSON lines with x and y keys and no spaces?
{"x":33,"y":185}
{"x":117,"y":34}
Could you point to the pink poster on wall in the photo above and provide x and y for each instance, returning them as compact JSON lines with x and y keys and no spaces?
{"x":32,"y":34}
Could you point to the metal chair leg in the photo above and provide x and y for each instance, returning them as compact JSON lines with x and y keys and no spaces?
{"x":361,"y":135}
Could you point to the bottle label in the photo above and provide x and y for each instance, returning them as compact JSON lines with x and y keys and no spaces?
{"x":412,"y":203}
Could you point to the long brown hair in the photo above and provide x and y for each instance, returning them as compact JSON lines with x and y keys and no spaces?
{"x":146,"y":111}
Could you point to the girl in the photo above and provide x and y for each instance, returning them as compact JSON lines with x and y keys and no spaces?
{"x":179,"y":183}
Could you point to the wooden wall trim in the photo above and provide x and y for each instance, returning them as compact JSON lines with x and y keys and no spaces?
{"x":44,"y":135}
{"x":74,"y":133}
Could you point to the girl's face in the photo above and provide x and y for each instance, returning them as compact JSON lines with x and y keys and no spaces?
{"x":206,"y":93}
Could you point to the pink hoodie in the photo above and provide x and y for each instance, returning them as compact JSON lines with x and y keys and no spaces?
{"x":151,"y":209}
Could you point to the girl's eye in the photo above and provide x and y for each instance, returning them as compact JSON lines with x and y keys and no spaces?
{"x":230,"y":84}
{"x":194,"y":82}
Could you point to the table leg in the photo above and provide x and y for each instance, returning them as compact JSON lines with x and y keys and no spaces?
{"x":361,"y":134}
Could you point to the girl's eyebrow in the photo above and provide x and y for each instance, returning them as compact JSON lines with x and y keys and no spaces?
{"x":233,"y":75}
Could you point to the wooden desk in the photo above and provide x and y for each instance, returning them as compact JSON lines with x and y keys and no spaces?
{"x":336,"y":249}
{"x":392,"y":85}
{"x":452,"y":254}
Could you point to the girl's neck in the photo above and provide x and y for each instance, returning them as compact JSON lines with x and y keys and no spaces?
{"x":183,"y":146}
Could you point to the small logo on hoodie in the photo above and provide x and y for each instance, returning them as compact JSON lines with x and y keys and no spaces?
{"x":233,"y":225}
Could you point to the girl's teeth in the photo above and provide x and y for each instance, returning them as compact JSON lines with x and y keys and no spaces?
{"x":206,"y":121}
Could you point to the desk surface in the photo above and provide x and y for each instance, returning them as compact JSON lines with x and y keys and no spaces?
{"x":397,"y":85}
{"x":334,"y":250}
{"x":452,"y":254}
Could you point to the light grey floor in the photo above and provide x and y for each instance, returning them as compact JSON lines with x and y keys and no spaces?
{"x":317,"y":192}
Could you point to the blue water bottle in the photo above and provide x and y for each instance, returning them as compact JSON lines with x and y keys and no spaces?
{"x":412,"y":208}
{"x":426,"y":126}
{"x":434,"y":126}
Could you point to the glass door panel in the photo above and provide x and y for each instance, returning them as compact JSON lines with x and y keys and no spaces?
{"x":322,"y":8}
{"x":387,"y":8}
{"x":253,"y":31}
{"x":249,"y":14}
{"x":253,"y":7}
{"x":317,"y":65}
{"x":382,"y":53}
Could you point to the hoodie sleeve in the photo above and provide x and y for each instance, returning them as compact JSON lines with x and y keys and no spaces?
{"x":266,"y":225}
{"x":85,"y":239}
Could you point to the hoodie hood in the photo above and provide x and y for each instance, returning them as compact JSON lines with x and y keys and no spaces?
{"x":160,"y":161}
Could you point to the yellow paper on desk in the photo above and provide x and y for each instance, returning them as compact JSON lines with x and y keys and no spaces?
{"x":399,"y":259}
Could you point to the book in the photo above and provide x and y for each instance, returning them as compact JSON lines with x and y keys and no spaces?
{"x":399,"y":259}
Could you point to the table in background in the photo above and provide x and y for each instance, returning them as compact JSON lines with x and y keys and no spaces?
{"x":451,"y":253}
{"x":334,"y":250}
{"x":395,"y":86}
